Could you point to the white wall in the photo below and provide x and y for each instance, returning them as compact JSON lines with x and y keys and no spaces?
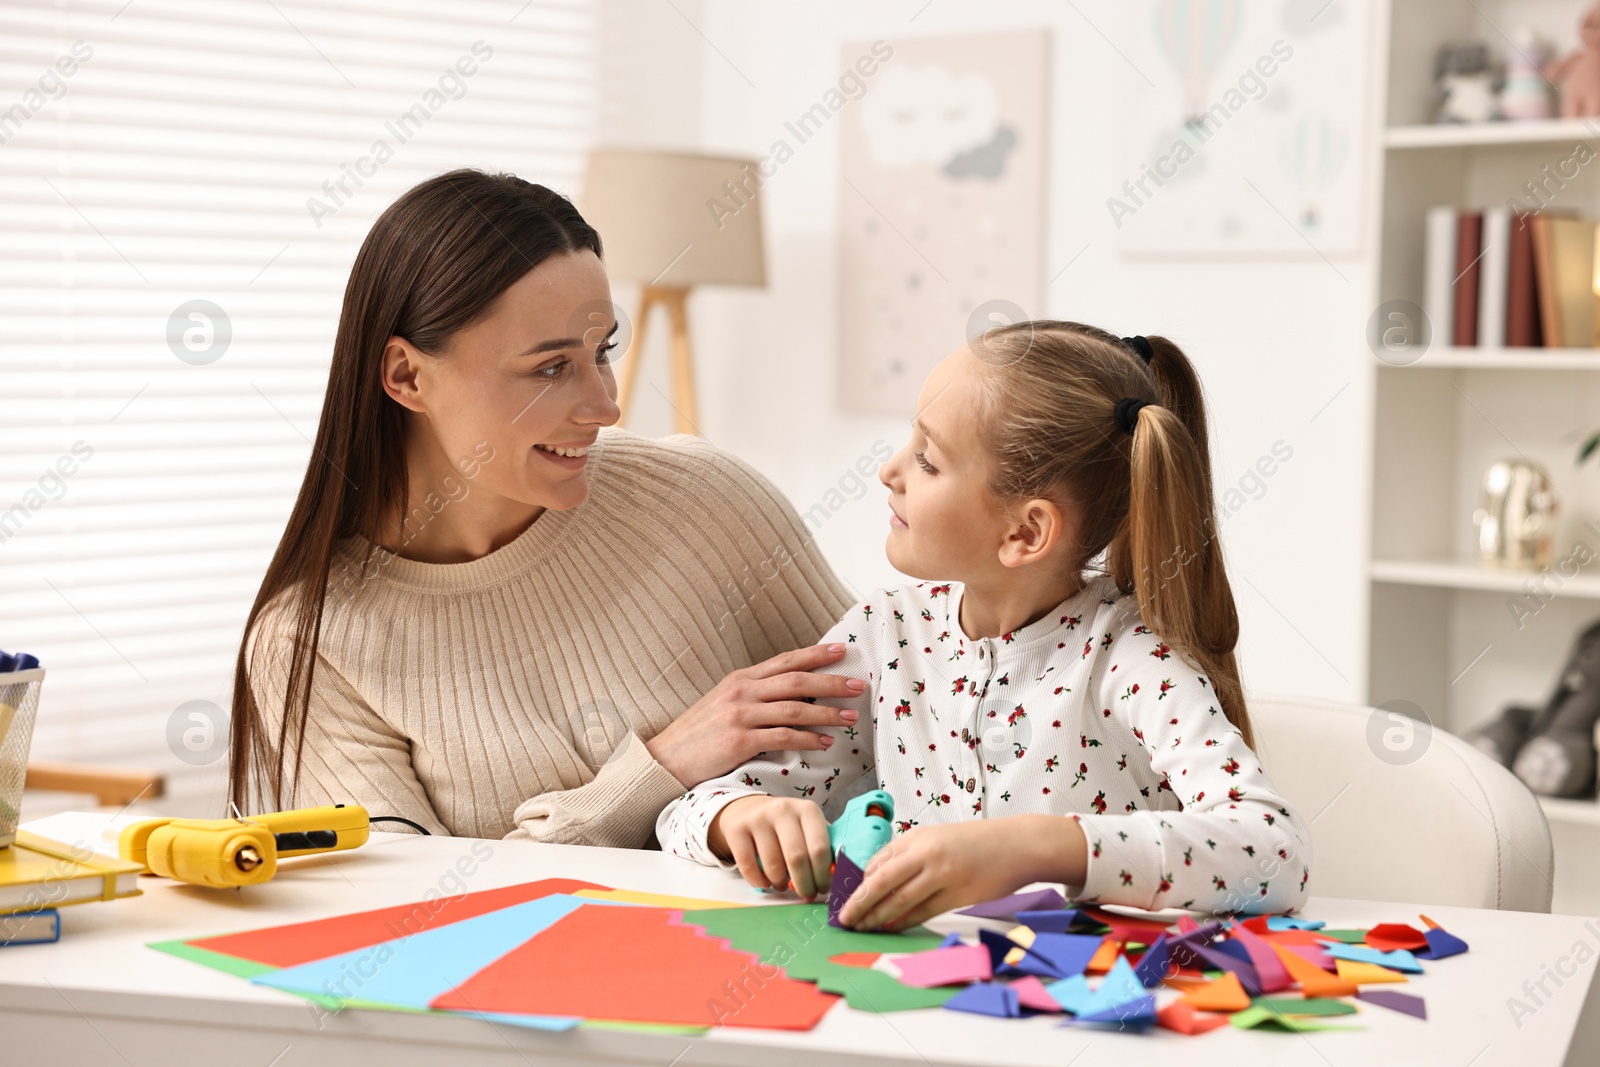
{"x":1276,"y":340}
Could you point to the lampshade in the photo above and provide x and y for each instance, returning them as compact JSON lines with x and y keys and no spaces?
{"x":676,"y":218}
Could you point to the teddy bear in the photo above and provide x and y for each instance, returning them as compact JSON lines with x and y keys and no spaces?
{"x":1578,"y":74}
{"x":1553,"y":749}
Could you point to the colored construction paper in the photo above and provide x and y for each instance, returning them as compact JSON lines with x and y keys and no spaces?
{"x":1397,"y":960}
{"x":1349,"y":937}
{"x":1269,"y":969}
{"x":1362,"y":973}
{"x":411,"y":972}
{"x":1127,"y":927}
{"x":1063,"y":955}
{"x":950,"y":939}
{"x":1395,"y":1000}
{"x":1182,"y":1017}
{"x":1304,"y":1005}
{"x":1073,"y":994}
{"x":1286,"y":922}
{"x":640,"y":965}
{"x":1137,"y":1014}
{"x":797,"y":938}
{"x":1224,"y":961}
{"x":1233,"y":947}
{"x":233,"y":965}
{"x":1153,"y":965}
{"x":999,"y":946}
{"x":987,"y":998}
{"x":1007,"y":907}
{"x":1032,"y":994}
{"x":1294,"y":937}
{"x":1260,"y":1016}
{"x":653,"y":900}
{"x":1386,"y":937}
{"x":846,"y":878}
{"x":1105,"y":956}
{"x":1046,"y":922}
{"x":1316,"y":954}
{"x":855,"y":959}
{"x":1441,"y":943}
{"x":957,"y":965}
{"x":1314,"y":981}
{"x":1223,"y":994}
{"x":297,"y":943}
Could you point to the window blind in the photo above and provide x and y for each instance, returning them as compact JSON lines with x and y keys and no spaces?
{"x":183,"y":187}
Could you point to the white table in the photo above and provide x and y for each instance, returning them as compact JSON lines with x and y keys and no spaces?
{"x":99,"y":996}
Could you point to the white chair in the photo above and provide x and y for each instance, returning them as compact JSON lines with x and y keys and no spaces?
{"x":1449,"y":826}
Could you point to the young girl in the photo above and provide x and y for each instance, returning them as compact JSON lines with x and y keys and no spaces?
{"x":1019,"y":684}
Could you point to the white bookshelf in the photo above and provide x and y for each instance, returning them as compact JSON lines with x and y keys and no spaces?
{"x":1459,"y":640}
{"x":1544,"y":132}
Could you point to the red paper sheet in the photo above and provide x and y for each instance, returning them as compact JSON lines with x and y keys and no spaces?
{"x":638,"y":965}
{"x":290,"y":946}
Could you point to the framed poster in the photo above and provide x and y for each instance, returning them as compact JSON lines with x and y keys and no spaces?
{"x":1243,"y":128}
{"x":941,"y":207}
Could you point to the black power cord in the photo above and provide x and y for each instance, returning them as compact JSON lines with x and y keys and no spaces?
{"x":396,"y":818}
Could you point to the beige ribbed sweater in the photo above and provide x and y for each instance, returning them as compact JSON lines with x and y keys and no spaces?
{"x":511,"y":696}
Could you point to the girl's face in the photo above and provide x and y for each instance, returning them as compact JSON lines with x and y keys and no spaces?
{"x":530,"y":380}
{"x":944,"y":521}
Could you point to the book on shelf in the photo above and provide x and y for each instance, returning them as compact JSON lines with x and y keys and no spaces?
{"x":1507,"y":278}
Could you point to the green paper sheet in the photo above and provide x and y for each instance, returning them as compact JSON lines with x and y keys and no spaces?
{"x":1349,"y":937}
{"x":1304,"y":1006}
{"x":1260,"y":1016}
{"x":797,"y":938}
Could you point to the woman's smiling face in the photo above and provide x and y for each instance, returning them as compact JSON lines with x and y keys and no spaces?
{"x":532,"y":378}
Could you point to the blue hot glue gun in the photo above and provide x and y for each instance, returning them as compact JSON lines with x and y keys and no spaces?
{"x":864,"y":827}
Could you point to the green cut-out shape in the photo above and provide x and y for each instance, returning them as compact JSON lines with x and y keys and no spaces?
{"x":1260,"y":1016}
{"x":1304,"y":1005}
{"x":1349,"y":937}
{"x":797,"y":938}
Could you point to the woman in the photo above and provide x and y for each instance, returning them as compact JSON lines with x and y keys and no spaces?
{"x":490,"y":615}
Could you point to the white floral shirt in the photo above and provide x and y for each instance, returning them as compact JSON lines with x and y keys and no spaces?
{"x":1085,"y":713}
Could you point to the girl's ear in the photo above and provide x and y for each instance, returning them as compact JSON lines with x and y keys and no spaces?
{"x":1039,"y":527}
{"x":401,"y":363}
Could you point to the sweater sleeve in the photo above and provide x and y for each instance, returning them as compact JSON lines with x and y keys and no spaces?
{"x":789,"y":595}
{"x":817,"y":775}
{"x":349,"y":755}
{"x":1236,"y":845}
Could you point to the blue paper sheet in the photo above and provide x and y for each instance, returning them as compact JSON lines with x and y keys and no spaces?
{"x":1397,"y":960}
{"x":409,"y":972}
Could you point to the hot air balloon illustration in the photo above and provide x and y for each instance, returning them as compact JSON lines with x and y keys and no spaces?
{"x":1195,"y":35}
{"x":1313,"y":152}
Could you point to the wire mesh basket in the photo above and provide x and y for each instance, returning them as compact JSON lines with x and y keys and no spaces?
{"x":19,"y":703}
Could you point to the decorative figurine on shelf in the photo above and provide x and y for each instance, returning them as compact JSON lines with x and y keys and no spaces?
{"x":1553,"y":750}
{"x":1516,"y":516}
{"x":1526,"y":96}
{"x":1467,"y":83}
{"x":1578,"y":74}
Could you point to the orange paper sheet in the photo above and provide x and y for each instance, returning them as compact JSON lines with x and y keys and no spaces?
{"x":1314,"y":981}
{"x":1366,"y":973}
{"x":1104,"y":957}
{"x":638,"y":965}
{"x":1185,"y":1019}
{"x":1224,"y":994}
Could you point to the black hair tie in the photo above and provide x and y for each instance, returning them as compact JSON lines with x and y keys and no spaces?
{"x":1128,"y":409}
{"x":1141,"y":346}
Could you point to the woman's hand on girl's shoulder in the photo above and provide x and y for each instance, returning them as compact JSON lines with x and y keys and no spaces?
{"x":775,"y":841}
{"x":760,"y":708}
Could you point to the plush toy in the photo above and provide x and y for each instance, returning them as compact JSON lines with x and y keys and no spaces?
{"x":1553,"y":750}
{"x":1467,"y":83}
{"x":1578,"y":74}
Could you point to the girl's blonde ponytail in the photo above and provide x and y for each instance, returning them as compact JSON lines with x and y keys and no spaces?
{"x":1144,"y":499}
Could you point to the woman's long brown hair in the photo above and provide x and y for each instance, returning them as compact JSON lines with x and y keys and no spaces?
{"x":433,"y":263}
{"x":1144,"y":501}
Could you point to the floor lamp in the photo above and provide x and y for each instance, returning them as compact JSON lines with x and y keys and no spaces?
{"x":672,"y":221}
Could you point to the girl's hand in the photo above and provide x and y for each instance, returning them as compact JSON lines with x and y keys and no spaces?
{"x":775,"y":841}
{"x":760,"y":708}
{"x":933,"y":869}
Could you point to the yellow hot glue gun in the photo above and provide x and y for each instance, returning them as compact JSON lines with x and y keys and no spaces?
{"x":232,"y":852}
